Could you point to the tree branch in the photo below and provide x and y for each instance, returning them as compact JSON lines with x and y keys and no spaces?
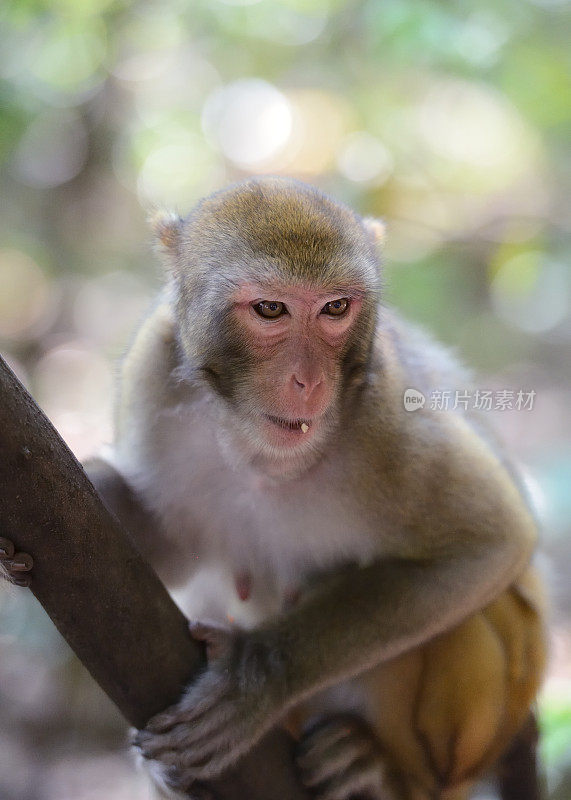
{"x":103,"y":597}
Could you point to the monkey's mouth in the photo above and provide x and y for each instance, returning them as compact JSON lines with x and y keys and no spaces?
{"x":298,"y":425}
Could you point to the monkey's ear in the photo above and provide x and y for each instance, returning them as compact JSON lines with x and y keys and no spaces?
{"x":167,"y":228}
{"x":376,"y":229}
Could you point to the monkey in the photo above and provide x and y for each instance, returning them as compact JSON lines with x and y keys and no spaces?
{"x":359,"y":574}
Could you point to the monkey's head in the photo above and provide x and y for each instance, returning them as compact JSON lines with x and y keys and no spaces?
{"x":275,"y":288}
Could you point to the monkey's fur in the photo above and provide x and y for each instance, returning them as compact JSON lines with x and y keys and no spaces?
{"x":370,"y":586}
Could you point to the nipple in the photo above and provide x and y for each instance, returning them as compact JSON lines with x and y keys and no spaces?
{"x":243,"y":582}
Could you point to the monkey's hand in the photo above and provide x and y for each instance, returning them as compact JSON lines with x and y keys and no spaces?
{"x":15,"y":567}
{"x":220,"y":717}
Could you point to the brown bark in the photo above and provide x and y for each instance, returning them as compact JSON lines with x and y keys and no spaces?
{"x":103,"y":597}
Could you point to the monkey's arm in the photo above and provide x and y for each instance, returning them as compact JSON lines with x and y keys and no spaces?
{"x":464,"y":543}
{"x":146,"y":387}
{"x":118,"y":496}
{"x":122,"y":500}
{"x":466,"y":538}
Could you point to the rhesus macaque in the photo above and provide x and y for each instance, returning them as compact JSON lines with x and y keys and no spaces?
{"x":358,"y":572}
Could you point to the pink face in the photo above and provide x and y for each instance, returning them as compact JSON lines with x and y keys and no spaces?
{"x":296,"y":337}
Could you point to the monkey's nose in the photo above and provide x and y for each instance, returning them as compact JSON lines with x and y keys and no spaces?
{"x":306,"y":385}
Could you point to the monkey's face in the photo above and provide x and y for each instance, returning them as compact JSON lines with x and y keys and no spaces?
{"x":294,"y":340}
{"x":276,"y":288}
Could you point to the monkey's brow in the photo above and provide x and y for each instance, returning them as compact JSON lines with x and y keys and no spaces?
{"x":273,"y":287}
{"x":353,"y":292}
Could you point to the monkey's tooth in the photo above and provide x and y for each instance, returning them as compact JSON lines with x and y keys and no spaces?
{"x":304,"y":427}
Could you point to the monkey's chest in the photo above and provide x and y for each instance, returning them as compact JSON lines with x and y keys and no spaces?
{"x":249,"y":545}
{"x":257,"y":546}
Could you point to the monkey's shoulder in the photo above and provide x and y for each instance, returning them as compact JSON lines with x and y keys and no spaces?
{"x":150,"y":376}
{"x":419,"y":389}
{"x":411,"y":436}
{"x":413,"y":358}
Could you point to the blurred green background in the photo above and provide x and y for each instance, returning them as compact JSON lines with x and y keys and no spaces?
{"x":450,"y":120}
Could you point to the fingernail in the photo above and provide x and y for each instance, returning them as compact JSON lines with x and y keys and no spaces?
{"x":23,"y":582}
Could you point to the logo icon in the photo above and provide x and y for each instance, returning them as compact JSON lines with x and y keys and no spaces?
{"x":413,"y":400}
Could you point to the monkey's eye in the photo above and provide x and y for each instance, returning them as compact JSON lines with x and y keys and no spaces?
{"x":270,"y":309}
{"x":336,"y":308}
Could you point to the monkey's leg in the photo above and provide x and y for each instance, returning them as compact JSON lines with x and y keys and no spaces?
{"x":517,"y":769}
{"x":14,"y":566}
{"x":447,"y":711}
{"x":441,"y":715}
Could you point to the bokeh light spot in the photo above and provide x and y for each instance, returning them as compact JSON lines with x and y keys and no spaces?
{"x":474,"y":127}
{"x":287,"y":23}
{"x":178,"y":171}
{"x":320,"y":122}
{"x":108,"y":307}
{"x":73,"y":384}
{"x":248,"y":120}
{"x":66,"y":54}
{"x":24,"y":295}
{"x":531,"y":292}
{"x":52,"y":150}
{"x":364,"y":158}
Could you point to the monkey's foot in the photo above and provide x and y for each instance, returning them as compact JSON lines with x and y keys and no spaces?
{"x":14,"y":566}
{"x":340,"y":758}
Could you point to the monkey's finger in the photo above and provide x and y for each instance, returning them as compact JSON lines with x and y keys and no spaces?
{"x":162,"y":722}
{"x":199,"y":702}
{"x":188,"y":714}
{"x":332,"y":736}
{"x":13,"y":566}
{"x":213,"y":755}
{"x":182,"y":756}
{"x":203,"y":770}
{"x":331,"y":756}
{"x":21,"y":562}
{"x":191,"y":747}
{"x":6,"y":548}
{"x":182,"y":735}
{"x":216,"y":745}
{"x":178,"y":782}
{"x":24,"y":581}
{"x":317,"y":767}
{"x":322,"y":735}
{"x":217,"y":640}
{"x":211,"y":761}
{"x":15,"y":579}
{"x":155,"y":746}
{"x":204,"y":632}
{"x":362,"y":778}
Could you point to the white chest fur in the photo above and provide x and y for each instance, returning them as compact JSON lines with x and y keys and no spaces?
{"x":233,"y":523}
